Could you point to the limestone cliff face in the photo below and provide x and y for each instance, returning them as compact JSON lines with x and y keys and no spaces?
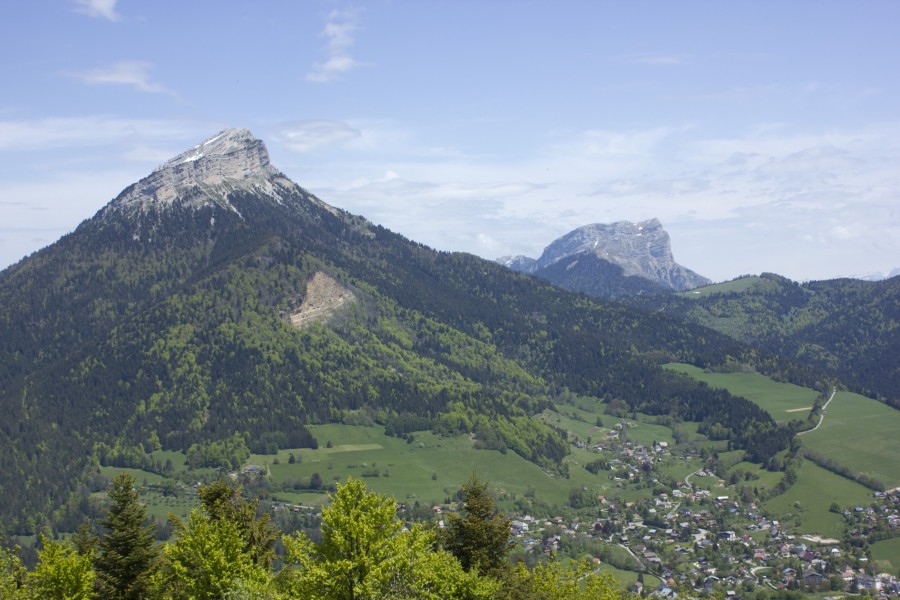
{"x":642,"y":249}
{"x":206,"y":174}
{"x":212,"y":174}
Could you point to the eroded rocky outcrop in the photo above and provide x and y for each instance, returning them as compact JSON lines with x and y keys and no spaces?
{"x":324,"y":297}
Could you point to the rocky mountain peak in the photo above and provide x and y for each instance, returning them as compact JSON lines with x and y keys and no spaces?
{"x":230,"y":156}
{"x":642,"y":249}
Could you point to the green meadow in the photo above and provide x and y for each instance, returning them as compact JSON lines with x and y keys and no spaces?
{"x":758,"y":476}
{"x":862,"y":434}
{"x":806,"y":503}
{"x":857,"y":432}
{"x":736,"y":285}
{"x":887,"y":553}
{"x":784,"y":401}
{"x":429,"y":470}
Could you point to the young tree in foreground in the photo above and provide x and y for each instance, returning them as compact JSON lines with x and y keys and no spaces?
{"x":365,"y":555}
{"x":480,"y":539}
{"x":207,"y":559}
{"x":12,"y":573}
{"x":223,"y":501}
{"x":126,"y":553}
{"x":61,"y":573}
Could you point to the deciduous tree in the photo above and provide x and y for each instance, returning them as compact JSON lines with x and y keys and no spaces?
{"x":223,"y":501}
{"x":364,"y":555}
{"x":12,"y":573}
{"x":208,"y":558}
{"x":61,"y":573}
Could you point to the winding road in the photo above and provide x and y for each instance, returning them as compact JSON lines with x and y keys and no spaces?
{"x":821,"y":414}
{"x":687,"y":480}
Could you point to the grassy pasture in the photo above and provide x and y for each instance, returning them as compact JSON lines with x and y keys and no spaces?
{"x":583,"y":424}
{"x":577,"y":422}
{"x":781,"y":400}
{"x":160,"y":506}
{"x":760,"y":477}
{"x":887,"y":551}
{"x":862,"y":434}
{"x":429,"y":470}
{"x":678,"y":469}
{"x":178,"y":458}
{"x":736,"y":285}
{"x":140,"y":476}
{"x":628,"y":578}
{"x":809,"y":499}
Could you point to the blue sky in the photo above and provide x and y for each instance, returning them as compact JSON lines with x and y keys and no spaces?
{"x":764,"y":135}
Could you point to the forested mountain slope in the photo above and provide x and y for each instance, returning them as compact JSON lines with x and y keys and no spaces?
{"x":165,"y":322}
{"x":847,"y":327}
{"x":597,"y":277}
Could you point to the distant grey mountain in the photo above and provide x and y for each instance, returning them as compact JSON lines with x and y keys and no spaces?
{"x":877,"y":276}
{"x":641,"y":249}
{"x":517,"y":263}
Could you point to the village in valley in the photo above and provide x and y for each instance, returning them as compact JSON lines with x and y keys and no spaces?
{"x":694,"y":540}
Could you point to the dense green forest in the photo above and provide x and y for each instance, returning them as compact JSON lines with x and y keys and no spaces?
{"x":845,"y":327}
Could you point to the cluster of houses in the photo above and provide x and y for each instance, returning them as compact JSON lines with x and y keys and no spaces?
{"x":754,"y":551}
{"x":697,"y":542}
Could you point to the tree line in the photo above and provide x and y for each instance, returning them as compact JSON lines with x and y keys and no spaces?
{"x":362,"y":551}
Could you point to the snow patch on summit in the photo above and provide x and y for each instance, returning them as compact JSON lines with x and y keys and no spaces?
{"x":232,"y":157}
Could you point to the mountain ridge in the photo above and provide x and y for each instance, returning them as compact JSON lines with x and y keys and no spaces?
{"x":164,"y":322}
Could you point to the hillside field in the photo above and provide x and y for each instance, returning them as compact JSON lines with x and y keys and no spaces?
{"x":806,"y":506}
{"x":784,"y":401}
{"x":862,"y":434}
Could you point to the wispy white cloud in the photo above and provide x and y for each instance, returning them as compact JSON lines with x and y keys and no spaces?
{"x":70,"y":132}
{"x":135,"y":73}
{"x":103,"y":9}
{"x":756,"y":196}
{"x":306,"y":136}
{"x":339,"y":33}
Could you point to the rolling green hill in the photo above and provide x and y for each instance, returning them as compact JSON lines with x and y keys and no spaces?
{"x":845,"y":327}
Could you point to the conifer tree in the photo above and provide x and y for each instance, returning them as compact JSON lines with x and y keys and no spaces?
{"x":480,"y":539}
{"x":223,"y":501}
{"x":126,"y":552}
{"x":84,"y":541}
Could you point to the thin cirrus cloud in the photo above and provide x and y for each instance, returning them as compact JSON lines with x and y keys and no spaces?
{"x":309,"y":135}
{"x":81,"y":132}
{"x":134,"y":73}
{"x":339,"y":32}
{"x":102,"y":9}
